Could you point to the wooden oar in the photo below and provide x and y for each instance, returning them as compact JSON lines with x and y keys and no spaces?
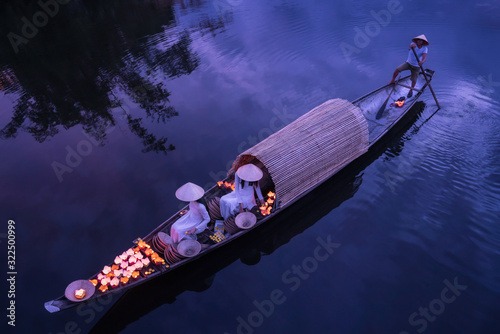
{"x":381,"y":110}
{"x":426,"y":79}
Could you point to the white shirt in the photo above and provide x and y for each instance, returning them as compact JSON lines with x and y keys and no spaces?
{"x":420,"y":53}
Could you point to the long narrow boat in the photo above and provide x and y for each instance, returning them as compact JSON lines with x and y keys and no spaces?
{"x":295,"y":161}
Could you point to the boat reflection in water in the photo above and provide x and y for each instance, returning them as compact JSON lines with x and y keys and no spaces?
{"x":264,"y":240}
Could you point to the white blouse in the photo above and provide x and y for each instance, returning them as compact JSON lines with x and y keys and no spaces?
{"x":197,"y":217}
{"x":230,"y":203}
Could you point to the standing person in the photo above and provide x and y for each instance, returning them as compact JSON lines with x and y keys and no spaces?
{"x":419,"y":44}
{"x":196,"y":219}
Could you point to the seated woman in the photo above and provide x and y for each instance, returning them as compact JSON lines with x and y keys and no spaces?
{"x":243,"y":196}
{"x":196,"y":219}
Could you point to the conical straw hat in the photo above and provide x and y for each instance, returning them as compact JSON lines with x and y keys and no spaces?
{"x":245,"y":220}
{"x":250,"y":173}
{"x":422,"y":37}
{"x":189,"y":192}
{"x":189,"y":248}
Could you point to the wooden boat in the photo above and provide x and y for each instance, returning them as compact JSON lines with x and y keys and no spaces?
{"x":317,"y":145}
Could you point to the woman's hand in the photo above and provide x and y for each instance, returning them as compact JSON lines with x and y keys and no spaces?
{"x":413,"y":45}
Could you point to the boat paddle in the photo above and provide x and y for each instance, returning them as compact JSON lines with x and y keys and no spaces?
{"x":426,"y":79}
{"x":381,"y":110}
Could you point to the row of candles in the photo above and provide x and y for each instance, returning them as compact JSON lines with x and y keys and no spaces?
{"x":226,"y":185}
{"x":265,"y":208}
{"x":128,"y":266}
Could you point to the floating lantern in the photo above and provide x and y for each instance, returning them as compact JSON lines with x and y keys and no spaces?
{"x":159,"y":260}
{"x":93,"y":281}
{"x":219,"y":184}
{"x":139,"y":256}
{"x":124,"y":256}
{"x":100,"y":276}
{"x":103,"y":288}
{"x":130,"y":252}
{"x":117,"y":260}
{"x":80,"y":293}
{"x":139,"y":265}
{"x":148,"y":252}
{"x":145,"y":262}
{"x":127,"y":273}
{"x":142,"y":245}
{"x":110,"y":275}
{"x":124,"y":280}
{"x":124,"y":265}
{"x":136,"y":274}
{"x":105,"y":281}
{"x":118,"y":272}
{"x":116,"y":266}
{"x":106,"y":270}
{"x":132,"y":259}
{"x":136,"y":250}
{"x":114,"y":282}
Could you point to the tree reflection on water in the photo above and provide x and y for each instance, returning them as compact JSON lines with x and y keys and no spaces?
{"x":69,"y":72}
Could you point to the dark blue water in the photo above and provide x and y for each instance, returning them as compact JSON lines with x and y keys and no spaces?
{"x":108,"y":107}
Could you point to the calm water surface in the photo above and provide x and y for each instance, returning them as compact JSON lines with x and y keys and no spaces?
{"x":111,"y":106}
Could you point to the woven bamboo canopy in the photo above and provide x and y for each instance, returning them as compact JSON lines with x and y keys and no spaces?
{"x":311,"y":149}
